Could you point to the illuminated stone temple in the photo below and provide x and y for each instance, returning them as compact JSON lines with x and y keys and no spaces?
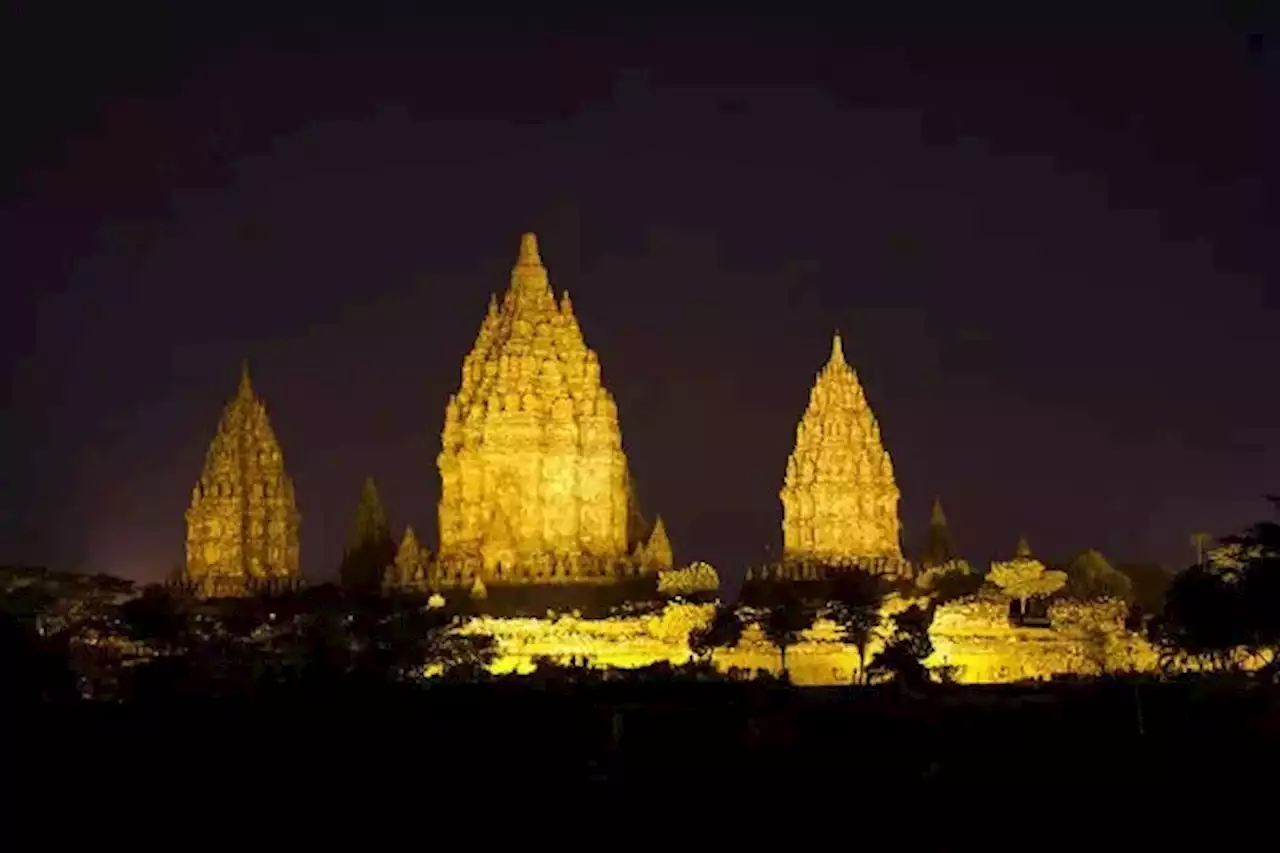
{"x":533,"y":474}
{"x":242,"y":526}
{"x":839,"y":498}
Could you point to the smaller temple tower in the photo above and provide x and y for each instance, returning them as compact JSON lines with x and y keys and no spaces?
{"x":242,"y":526}
{"x":839,"y":498}
{"x":938,"y":547}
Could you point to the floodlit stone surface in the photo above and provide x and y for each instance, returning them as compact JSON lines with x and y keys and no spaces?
{"x":973,"y":638}
{"x":624,"y":641}
{"x":656,"y":554}
{"x":411,"y":560}
{"x":242,"y":526}
{"x":533,"y":476}
{"x":839,"y":498}
{"x":696,"y":577}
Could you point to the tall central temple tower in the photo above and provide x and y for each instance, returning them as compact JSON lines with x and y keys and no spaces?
{"x":533,"y":475}
{"x":242,"y":527}
{"x":839,"y":499}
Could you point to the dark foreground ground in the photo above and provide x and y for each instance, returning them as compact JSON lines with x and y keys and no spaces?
{"x":696,"y":737}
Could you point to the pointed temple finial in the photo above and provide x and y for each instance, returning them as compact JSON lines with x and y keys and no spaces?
{"x":837,"y":349}
{"x":1023,"y":550}
{"x":246,"y":387}
{"x":658,"y":550}
{"x":529,"y":250}
{"x":937,"y":518}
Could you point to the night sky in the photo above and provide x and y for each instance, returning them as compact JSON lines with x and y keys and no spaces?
{"x":1044,"y":242}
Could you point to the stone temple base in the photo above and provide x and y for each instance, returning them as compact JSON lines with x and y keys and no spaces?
{"x":978,"y":651}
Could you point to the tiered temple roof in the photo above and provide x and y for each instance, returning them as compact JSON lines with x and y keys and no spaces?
{"x":533,"y":475}
{"x":839,"y":498}
{"x":242,"y":526}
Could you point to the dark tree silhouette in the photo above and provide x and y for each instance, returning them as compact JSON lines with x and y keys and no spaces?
{"x":724,"y":631}
{"x":1201,"y":619}
{"x":784,"y":621}
{"x":1090,"y":576}
{"x":403,"y":636}
{"x":1150,"y":582}
{"x":938,"y":548}
{"x":1226,"y":612}
{"x":856,"y":600}
{"x":159,"y":619}
{"x":903,"y":657}
{"x":1259,"y":590}
{"x":21,"y":660}
{"x":37,"y":669}
{"x":953,"y":586}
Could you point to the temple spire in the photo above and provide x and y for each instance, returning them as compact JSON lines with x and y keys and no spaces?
{"x":530,"y":286}
{"x":246,"y":386}
{"x":837,"y":349}
{"x":532,"y":470}
{"x":657,"y":552}
{"x":529,"y":250}
{"x":242,"y":524}
{"x":938,"y":547}
{"x":839,"y":498}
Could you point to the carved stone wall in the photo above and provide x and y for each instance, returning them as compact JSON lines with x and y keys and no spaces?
{"x":973,"y":636}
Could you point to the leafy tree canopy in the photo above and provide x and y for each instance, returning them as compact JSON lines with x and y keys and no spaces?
{"x":1090,"y":576}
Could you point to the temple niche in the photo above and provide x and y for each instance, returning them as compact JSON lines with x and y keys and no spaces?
{"x":242,"y":526}
{"x":839,"y":498}
{"x":533,"y":475}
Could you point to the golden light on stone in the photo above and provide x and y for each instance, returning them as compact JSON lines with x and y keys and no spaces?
{"x":839,"y":498}
{"x":696,"y":577}
{"x":1025,"y":577}
{"x":407,"y":570}
{"x":242,"y":526}
{"x":656,"y":554}
{"x":535,"y":489}
{"x":973,"y":636}
{"x":533,"y":476}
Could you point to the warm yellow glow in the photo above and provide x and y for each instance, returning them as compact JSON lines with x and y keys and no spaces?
{"x":411,"y":559}
{"x":696,"y":577}
{"x":839,"y":498}
{"x":1024,"y":578}
{"x":533,"y":476}
{"x":973,"y":637}
{"x":930,"y":577}
{"x":242,"y":526}
{"x":1084,"y":638}
{"x":624,"y":642}
{"x":1232,"y":556}
{"x":656,"y":554}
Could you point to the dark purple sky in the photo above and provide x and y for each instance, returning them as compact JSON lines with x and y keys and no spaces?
{"x":1044,"y":246}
